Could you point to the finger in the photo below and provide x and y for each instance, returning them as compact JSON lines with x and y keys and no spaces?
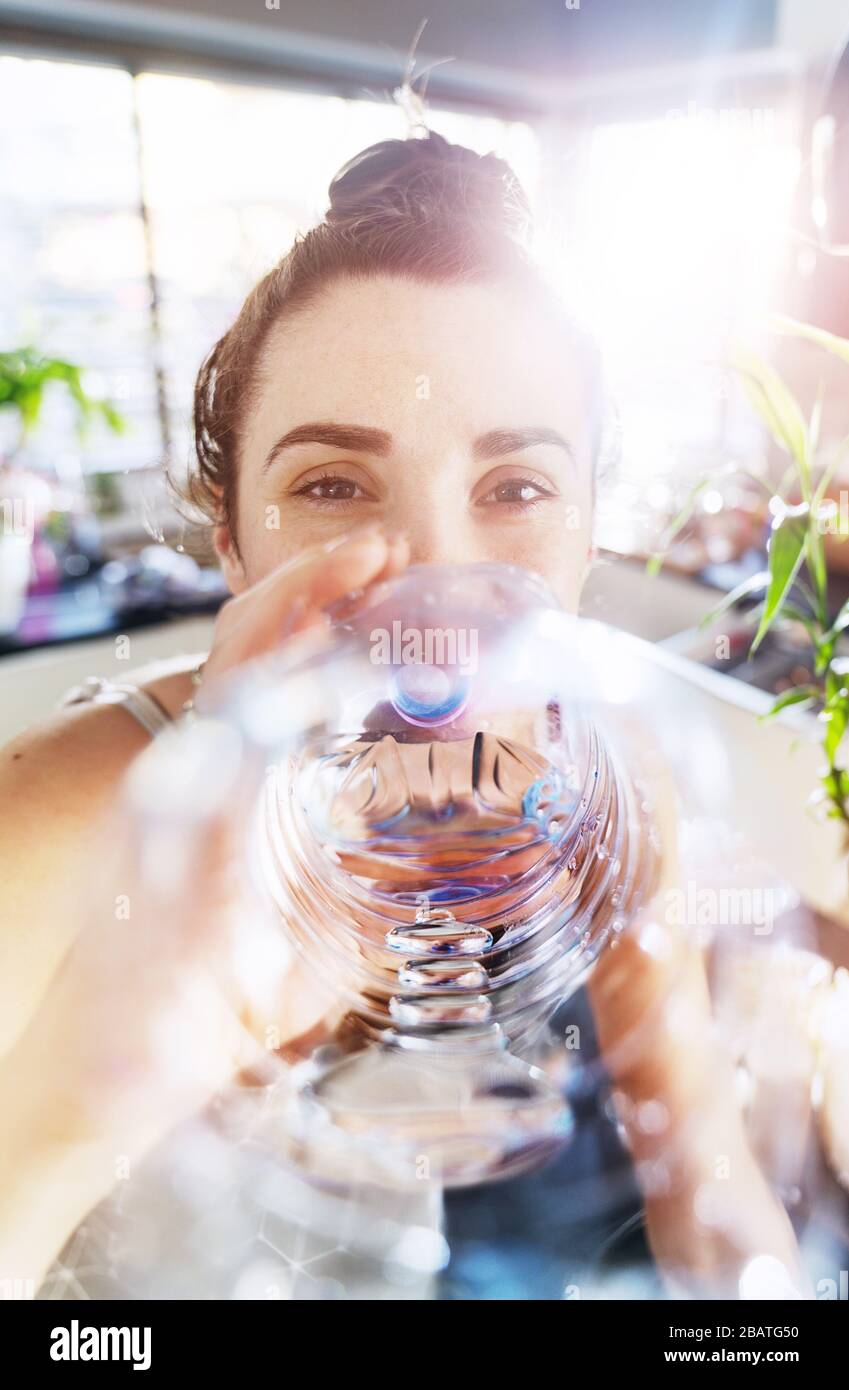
{"x":286,"y":601}
{"x":318,"y":575}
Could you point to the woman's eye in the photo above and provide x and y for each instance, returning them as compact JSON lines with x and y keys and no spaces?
{"x":332,"y":488}
{"x":516,"y":492}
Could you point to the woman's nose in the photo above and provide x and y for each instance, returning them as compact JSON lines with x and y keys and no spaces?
{"x":438,"y":535}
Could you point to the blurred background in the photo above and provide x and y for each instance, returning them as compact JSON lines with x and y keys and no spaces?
{"x":688,"y":164}
{"x":158,"y":158}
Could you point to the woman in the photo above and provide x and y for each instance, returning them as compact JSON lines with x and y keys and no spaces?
{"x":402,"y":387}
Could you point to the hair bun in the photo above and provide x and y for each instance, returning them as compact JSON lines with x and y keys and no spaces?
{"x":429,"y":178}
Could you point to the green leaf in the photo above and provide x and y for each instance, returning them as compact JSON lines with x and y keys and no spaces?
{"x":655,"y":562}
{"x":815,"y":422}
{"x":823,"y":648}
{"x":841,"y":622}
{"x":796,"y":696}
{"x":741,"y":590}
{"x":24,"y":375}
{"x":828,"y":474}
{"x":786,"y":552}
{"x":795,"y":328}
{"x":835,"y":719}
{"x":775,"y":404}
{"x":117,"y":422}
{"x":790,"y":610}
{"x":816,"y":565}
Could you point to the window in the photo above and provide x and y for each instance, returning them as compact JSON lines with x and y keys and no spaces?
{"x":675,"y":241}
{"x":227,"y":173}
{"x":75,"y":279}
{"x":671,"y":234}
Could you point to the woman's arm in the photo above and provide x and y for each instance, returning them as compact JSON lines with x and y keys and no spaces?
{"x":709,"y":1210}
{"x":116,"y":1029}
{"x":714,"y":1225}
{"x":47,"y":1184}
{"x":56,"y":782}
{"x":147,"y":1018}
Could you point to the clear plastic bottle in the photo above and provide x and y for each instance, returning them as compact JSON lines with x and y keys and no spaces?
{"x":452,"y":847}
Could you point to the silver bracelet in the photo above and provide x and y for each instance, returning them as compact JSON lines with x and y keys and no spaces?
{"x":189,"y":713}
{"x":144,"y":707}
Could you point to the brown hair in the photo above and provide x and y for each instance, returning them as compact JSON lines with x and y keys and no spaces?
{"x":420,"y":208}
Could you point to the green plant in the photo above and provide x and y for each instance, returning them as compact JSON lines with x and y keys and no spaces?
{"x":795,"y":580}
{"x":25,"y":375}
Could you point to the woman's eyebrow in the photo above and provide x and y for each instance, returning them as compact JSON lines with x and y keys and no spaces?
{"x":362,"y":438}
{"x":498,"y":442}
{"x":367,"y":440}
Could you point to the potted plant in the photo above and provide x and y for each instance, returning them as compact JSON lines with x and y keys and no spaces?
{"x":805,"y":521}
{"x":26,"y":497}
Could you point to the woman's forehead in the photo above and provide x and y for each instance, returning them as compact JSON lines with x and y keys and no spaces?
{"x":396,"y":345}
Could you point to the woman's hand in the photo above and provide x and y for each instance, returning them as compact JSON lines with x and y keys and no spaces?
{"x":295,"y":597}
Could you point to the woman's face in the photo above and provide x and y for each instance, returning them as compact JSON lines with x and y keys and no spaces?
{"x":455,"y":414}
